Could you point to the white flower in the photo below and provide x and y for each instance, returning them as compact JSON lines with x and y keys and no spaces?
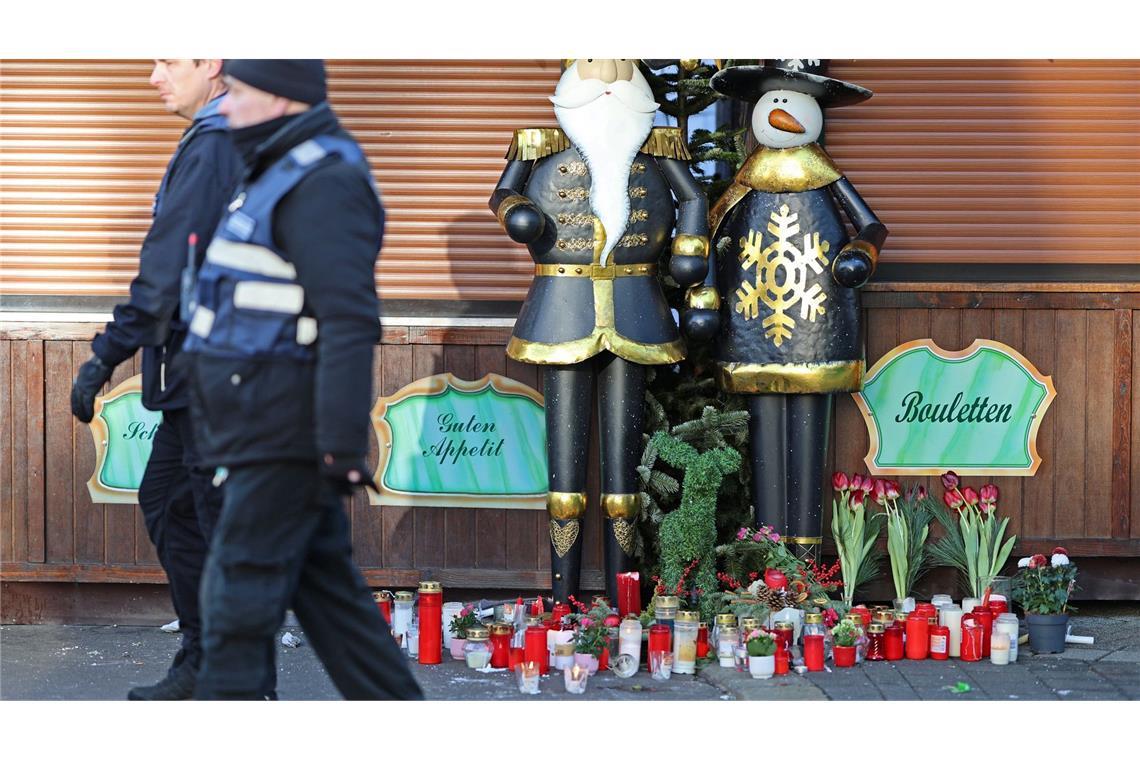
{"x":1058,"y":560}
{"x":1023,"y":562}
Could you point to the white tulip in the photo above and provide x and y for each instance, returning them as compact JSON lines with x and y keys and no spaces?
{"x":1059,"y":559}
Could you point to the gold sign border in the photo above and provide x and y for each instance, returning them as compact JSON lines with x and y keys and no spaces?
{"x":99,"y":492}
{"x":975,"y":347}
{"x":434,"y":385}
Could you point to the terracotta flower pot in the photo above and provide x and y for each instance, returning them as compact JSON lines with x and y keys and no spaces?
{"x":762,"y":667}
{"x":844,"y":656}
{"x":1047,"y":632}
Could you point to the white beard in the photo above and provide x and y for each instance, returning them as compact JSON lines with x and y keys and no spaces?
{"x":608,"y":134}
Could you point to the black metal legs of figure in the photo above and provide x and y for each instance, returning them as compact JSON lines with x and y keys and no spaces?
{"x":621,"y":416}
{"x":788,"y":435}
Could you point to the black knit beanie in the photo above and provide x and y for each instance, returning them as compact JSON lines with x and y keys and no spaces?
{"x":300,"y":79}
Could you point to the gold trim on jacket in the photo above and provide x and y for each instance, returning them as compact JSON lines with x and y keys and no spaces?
{"x":807,"y":377}
{"x":533,"y":143}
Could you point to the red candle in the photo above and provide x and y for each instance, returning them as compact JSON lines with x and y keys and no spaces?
{"x":917,"y":636}
{"x":659,"y":638}
{"x":517,"y":657}
{"x":431,"y":623}
{"x":383,"y":600}
{"x":813,"y":652}
{"x":875,"y":647}
{"x":939,"y":641}
{"x":782,"y":657}
{"x":971,"y":638}
{"x":501,"y":644}
{"x":628,"y":594}
{"x":535,"y":649}
{"x":557,"y":613}
{"x":985,"y":620}
{"x":998,"y":607}
{"x":702,"y":640}
{"x":893,"y":642}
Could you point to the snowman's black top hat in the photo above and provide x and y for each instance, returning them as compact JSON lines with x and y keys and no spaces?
{"x":804,"y":75}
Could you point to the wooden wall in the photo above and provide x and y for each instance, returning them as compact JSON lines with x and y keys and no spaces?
{"x":1086,"y":337}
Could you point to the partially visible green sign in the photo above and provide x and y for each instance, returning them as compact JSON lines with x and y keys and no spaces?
{"x":124,"y":432}
{"x":975,"y":411}
{"x":448,"y":442}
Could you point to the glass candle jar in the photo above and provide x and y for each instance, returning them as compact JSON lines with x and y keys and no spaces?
{"x":535,"y":648}
{"x":985,"y":619}
{"x":720,"y":621}
{"x":998,"y":605}
{"x":999,"y":648}
{"x":900,"y":621}
{"x":477,"y":650}
{"x":785,"y":632}
{"x":727,"y":641}
{"x":812,"y":640}
{"x":665,"y":610}
{"x":563,"y":657}
{"x":574,"y":679}
{"x":702,"y":640}
{"x":629,"y":639}
{"x":501,"y":634}
{"x":747,"y":626}
{"x":412,"y":641}
{"x":883,"y":617}
{"x":660,"y":638}
{"x":1007,"y":623}
{"x":431,"y":623}
{"x":402,"y":607}
{"x":685,"y":641}
{"x":383,"y":600}
{"x":893,"y":643}
{"x":969,"y":603}
{"x":876,"y":647}
{"x":864,"y":614}
{"x":917,"y":636}
{"x":939,"y":640}
{"x":941,"y":600}
{"x":951,"y":617}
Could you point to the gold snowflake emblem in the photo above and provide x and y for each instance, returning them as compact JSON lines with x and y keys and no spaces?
{"x":782,"y":275}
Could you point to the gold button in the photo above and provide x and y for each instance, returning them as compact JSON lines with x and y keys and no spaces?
{"x":561,"y":193}
{"x":629,"y":270}
{"x":578,"y":270}
{"x":562,"y":169}
{"x":562,"y":245}
{"x":645,"y":269}
{"x":561,"y":270}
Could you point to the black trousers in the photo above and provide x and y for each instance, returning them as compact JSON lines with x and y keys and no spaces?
{"x":283,"y":541}
{"x":180,"y":507}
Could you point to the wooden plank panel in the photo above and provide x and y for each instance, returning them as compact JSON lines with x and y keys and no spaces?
{"x":7,"y":505}
{"x":490,"y":528}
{"x":1069,"y":408}
{"x":1098,"y":393}
{"x":89,"y":518}
{"x":974,"y":324}
{"x":1123,"y":421}
{"x":1040,"y":348}
{"x":1134,"y":522}
{"x":60,"y":452}
{"x":522,"y":526}
{"x":1008,"y":329}
{"x":35,"y":447}
{"x":386,"y":535}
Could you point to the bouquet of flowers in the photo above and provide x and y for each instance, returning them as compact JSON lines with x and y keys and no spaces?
{"x":973,"y":542}
{"x":855,"y":531}
{"x":467,"y":618}
{"x":594,"y":627}
{"x":760,"y":644}
{"x":908,"y":525}
{"x":1042,"y":585}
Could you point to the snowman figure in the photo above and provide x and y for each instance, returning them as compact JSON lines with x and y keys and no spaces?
{"x":781,"y":295}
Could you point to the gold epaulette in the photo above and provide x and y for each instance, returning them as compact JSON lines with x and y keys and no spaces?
{"x":537,"y":142}
{"x":666,"y":142}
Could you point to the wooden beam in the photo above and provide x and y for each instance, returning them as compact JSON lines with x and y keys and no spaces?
{"x":1122,"y":381}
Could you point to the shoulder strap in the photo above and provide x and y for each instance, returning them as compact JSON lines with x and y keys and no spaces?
{"x":536,"y":142}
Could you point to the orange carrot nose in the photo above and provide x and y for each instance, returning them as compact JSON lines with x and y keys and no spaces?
{"x":781,"y":119}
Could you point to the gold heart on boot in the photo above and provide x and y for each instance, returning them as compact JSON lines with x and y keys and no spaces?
{"x":624,"y":532}
{"x":562,"y":537}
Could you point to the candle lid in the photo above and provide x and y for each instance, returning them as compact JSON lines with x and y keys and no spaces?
{"x":379,"y":596}
{"x":534,"y":620}
{"x":726,"y":618}
{"x":884,"y":616}
{"x":813,"y":617}
{"x":688,"y":616}
{"x":667,"y":602}
{"x":750,"y":622}
{"x":499,"y":629}
{"x":404,"y":596}
{"x":900,"y":617}
{"x":785,"y":625}
{"x":431,"y":587}
{"x":478,"y":633}
{"x":875,"y":628}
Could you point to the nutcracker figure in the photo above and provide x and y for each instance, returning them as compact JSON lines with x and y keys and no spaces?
{"x":594,"y":203}
{"x":783,"y":287}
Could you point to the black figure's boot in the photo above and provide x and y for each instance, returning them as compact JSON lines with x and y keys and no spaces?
{"x":809,"y":423}
{"x":568,"y":390}
{"x":621,"y":413}
{"x":768,"y":443}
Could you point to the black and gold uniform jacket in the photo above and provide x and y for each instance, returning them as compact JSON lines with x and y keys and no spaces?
{"x":576,"y":307}
{"x":786,"y":325}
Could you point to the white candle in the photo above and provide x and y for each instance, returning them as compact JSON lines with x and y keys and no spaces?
{"x":951,"y":617}
{"x":999,"y":648}
{"x":969,"y":603}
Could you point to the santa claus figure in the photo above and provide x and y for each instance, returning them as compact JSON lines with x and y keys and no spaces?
{"x":596,"y":202}
{"x":785,"y":287}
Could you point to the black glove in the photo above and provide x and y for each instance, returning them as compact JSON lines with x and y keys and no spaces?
{"x":700,"y":325}
{"x":851,"y":268}
{"x":524,"y":223}
{"x":92,"y":375}
{"x":346,"y":473}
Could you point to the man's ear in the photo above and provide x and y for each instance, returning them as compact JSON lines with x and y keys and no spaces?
{"x":214,"y":67}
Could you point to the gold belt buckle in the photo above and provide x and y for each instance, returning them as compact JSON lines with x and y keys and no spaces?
{"x":602,"y":271}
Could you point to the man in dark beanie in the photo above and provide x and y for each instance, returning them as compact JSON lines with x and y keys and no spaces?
{"x":282,"y":338}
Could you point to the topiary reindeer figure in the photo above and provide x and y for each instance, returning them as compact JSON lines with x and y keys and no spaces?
{"x":689,"y":532}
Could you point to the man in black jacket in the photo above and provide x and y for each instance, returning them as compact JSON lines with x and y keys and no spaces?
{"x":179,"y":503}
{"x":282,"y":339}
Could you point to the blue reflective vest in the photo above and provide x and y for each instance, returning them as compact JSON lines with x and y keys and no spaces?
{"x":249,"y":303}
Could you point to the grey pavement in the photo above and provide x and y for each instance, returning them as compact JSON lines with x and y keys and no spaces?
{"x":51,"y":662}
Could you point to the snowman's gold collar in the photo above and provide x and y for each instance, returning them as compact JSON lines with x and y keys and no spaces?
{"x":788,"y":170}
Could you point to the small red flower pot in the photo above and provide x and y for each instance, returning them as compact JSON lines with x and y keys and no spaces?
{"x":844,"y":656}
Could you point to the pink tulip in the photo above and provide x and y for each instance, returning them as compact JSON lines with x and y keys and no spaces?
{"x":879,"y":491}
{"x":868,"y":484}
{"x":970,"y":495}
{"x":953,"y":499}
{"x":921,"y":493}
{"x":892,"y":489}
{"x":950,"y":481}
{"x":989,"y":493}
{"x":839,"y":481}
{"x":856,"y":482}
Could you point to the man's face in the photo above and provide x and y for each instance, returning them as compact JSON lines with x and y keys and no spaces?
{"x":183,"y":85}
{"x":244,"y":106}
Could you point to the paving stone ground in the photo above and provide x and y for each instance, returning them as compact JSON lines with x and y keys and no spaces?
{"x":54,"y":662}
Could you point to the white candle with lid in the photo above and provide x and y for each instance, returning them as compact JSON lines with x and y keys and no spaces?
{"x":951,"y":617}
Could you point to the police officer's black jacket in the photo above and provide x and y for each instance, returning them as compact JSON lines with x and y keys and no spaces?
{"x":199,"y":182}
{"x":329,"y":228}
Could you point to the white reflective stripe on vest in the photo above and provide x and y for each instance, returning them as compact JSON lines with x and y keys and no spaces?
{"x":306,"y":330}
{"x":201,"y":322}
{"x":247,"y":257}
{"x":281,"y":297}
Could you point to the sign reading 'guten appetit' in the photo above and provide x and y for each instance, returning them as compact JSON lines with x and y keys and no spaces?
{"x":975,"y":411}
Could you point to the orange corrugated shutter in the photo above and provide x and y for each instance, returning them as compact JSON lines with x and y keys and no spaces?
{"x":996,"y":161}
{"x":83,"y":145}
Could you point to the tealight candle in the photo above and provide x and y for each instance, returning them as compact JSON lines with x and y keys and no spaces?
{"x":575,"y":679}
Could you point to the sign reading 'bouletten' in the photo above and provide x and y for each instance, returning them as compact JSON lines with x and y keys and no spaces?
{"x":446,"y":442}
{"x":975,"y":411}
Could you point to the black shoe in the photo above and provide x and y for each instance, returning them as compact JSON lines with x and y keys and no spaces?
{"x":178,"y":684}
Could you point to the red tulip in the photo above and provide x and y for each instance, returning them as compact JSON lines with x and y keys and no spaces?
{"x":921,"y":493}
{"x":1037,"y":561}
{"x":856,"y":482}
{"x":953,"y":499}
{"x":970,"y":495}
{"x":868,"y":483}
{"x":857,"y":498}
{"x":879,"y":491}
{"x":1060,"y":550}
{"x":839,"y":481}
{"x":892,"y":489}
{"x":950,"y":481}
{"x":612,"y":620}
{"x":989,"y":493}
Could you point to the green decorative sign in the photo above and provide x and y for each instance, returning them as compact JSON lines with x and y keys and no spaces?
{"x":975,"y":411}
{"x":123,"y":431}
{"x":446,"y":442}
